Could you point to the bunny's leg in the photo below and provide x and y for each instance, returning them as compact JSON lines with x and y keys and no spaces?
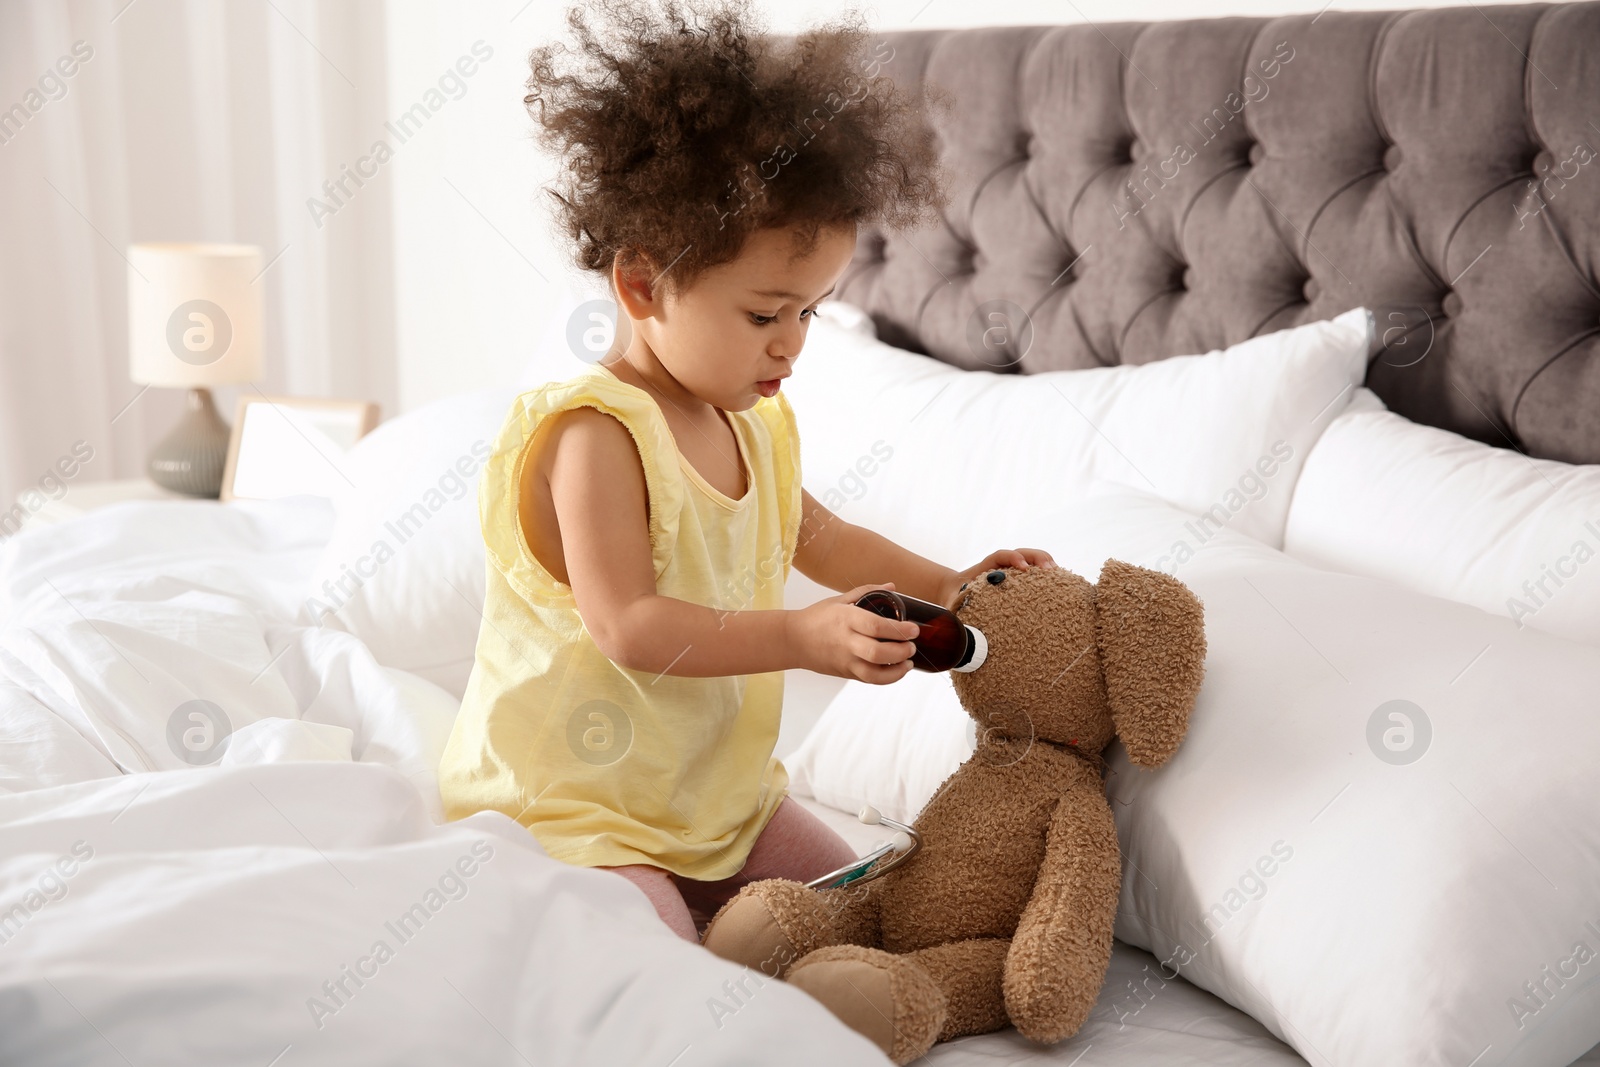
{"x":890,"y":1000}
{"x":970,"y":974}
{"x":904,"y":1003}
{"x":773,"y":923}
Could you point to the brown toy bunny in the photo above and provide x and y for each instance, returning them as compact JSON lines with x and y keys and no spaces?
{"x":1005,"y":914}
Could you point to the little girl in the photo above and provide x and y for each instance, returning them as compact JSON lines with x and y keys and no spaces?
{"x":641,"y":517}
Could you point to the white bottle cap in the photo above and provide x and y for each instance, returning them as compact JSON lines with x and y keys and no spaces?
{"x":980,"y":651}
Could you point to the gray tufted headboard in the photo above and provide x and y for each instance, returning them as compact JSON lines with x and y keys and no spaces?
{"x":1143,"y":190}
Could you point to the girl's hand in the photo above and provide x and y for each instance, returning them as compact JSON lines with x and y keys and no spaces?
{"x":835,"y":637}
{"x":1005,"y":557}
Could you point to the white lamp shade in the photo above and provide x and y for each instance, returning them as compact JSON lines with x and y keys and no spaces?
{"x":194,"y":314}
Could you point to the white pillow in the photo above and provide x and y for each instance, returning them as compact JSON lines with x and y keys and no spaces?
{"x":885,"y":745}
{"x":404,"y":571}
{"x":1364,"y":908}
{"x":926,"y":453}
{"x":1439,"y":513}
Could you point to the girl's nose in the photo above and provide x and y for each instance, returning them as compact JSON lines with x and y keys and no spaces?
{"x":788,"y":342}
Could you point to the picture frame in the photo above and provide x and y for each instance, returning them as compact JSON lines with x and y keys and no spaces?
{"x":290,"y":445}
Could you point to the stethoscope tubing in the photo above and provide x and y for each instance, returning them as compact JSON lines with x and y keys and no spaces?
{"x":869,"y":867}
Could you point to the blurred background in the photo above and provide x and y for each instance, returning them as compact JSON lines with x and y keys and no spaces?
{"x":377,"y":152}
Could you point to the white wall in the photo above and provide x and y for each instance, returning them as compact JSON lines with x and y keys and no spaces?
{"x":479,"y":269}
{"x":475,"y":263}
{"x":189,"y":120}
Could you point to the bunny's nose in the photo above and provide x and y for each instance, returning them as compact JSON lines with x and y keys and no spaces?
{"x":996,"y":577}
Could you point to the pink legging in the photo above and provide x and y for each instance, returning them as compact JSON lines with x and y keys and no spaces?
{"x":795,"y":844}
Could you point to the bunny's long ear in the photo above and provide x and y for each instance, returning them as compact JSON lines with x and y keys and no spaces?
{"x":1152,"y":637}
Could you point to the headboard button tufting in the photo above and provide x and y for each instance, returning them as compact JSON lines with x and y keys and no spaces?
{"x":1400,"y":151}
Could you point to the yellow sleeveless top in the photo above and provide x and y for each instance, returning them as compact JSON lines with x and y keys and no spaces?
{"x":605,"y":765}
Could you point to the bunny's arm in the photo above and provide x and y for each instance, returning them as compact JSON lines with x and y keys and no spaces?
{"x":1062,"y":945}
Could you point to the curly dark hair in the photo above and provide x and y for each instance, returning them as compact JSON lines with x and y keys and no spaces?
{"x":684,"y":133}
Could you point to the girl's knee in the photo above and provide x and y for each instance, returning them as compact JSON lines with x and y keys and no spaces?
{"x":658,"y":888}
{"x":797,"y":845}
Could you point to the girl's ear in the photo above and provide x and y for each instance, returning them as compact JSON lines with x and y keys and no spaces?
{"x":631,"y":277}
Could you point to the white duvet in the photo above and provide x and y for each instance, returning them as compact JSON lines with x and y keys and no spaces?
{"x":112,"y":627}
{"x":256,"y":908}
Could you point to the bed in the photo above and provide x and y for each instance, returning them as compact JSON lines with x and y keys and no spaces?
{"x":220,"y":836}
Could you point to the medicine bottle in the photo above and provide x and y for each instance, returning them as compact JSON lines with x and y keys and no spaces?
{"x":943,"y":641}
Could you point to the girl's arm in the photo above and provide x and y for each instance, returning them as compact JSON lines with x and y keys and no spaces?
{"x":597,"y":488}
{"x":841,"y":555}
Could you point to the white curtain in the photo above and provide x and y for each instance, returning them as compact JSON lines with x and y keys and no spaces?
{"x":181,"y":120}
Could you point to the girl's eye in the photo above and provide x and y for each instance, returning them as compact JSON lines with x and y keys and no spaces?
{"x":761,"y":320}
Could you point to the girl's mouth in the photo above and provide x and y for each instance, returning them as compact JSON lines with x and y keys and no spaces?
{"x":769,"y":387}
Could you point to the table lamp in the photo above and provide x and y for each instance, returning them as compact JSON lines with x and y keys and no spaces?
{"x":194,"y":321}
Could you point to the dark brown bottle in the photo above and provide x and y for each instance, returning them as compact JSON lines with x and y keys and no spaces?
{"x":943,"y":641}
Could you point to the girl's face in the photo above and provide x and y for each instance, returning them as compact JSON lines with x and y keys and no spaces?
{"x":742,"y":324}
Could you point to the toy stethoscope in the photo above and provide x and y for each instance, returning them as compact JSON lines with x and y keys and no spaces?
{"x":899,"y":848}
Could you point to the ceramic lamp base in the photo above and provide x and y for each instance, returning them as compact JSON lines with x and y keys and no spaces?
{"x":190,"y":459}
